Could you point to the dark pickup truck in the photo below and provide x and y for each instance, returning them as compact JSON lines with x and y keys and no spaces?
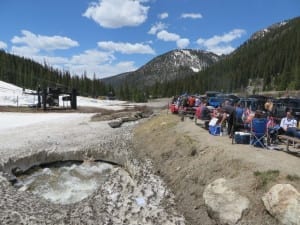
{"x":281,"y":105}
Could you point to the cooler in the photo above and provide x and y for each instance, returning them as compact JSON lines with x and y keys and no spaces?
{"x":214,"y":130}
{"x":242,"y":138}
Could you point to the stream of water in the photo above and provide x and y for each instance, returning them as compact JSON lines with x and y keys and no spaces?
{"x":65,"y":183}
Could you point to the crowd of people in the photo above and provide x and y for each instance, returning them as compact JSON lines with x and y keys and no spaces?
{"x":234,"y":116}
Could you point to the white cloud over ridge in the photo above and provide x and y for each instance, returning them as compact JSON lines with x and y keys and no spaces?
{"x":191,"y":15}
{"x":99,"y":63}
{"x":90,"y":62}
{"x":126,"y":48}
{"x":117,"y":13}
{"x":221,"y":44}
{"x":3,"y":45}
{"x":92,"y":56}
{"x":41,"y":42}
{"x":103,"y":70}
{"x":24,"y":50}
{"x":167,"y":36}
{"x":183,"y":43}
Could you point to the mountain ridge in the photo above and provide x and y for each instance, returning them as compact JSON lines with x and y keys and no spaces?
{"x":166,"y":67}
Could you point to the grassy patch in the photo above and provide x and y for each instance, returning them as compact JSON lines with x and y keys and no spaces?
{"x":293,"y":177}
{"x":264,"y":178}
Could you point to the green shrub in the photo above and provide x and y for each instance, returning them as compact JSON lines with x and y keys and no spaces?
{"x":264,"y":178}
{"x":293,"y":177}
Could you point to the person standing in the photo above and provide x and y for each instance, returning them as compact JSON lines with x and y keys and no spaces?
{"x":229,"y":113}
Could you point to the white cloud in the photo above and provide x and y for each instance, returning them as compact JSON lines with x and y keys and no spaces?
{"x":226,"y":38}
{"x":166,"y":36}
{"x":99,"y":63}
{"x":3,"y":45}
{"x":24,"y":51}
{"x":92,"y":62}
{"x":103,"y":70}
{"x":53,"y":61}
{"x":221,"y":44}
{"x":220,"y":50}
{"x":43,"y":42}
{"x":117,"y":13}
{"x":90,"y":57}
{"x":191,"y":15}
{"x":163,"y":15}
{"x":183,"y":43}
{"x":126,"y":48}
{"x":33,"y":54}
{"x":157,"y":27}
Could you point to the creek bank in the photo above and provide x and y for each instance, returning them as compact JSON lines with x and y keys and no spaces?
{"x":132,"y":195}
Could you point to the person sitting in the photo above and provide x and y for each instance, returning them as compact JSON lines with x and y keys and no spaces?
{"x":288,"y":125}
{"x":273,"y":127}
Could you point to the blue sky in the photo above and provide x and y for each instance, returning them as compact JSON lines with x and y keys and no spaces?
{"x":108,"y":37}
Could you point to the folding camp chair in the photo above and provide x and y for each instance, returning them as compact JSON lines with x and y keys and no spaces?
{"x":258,"y":132}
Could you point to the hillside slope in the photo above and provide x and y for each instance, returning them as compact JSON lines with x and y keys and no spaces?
{"x":188,"y":159}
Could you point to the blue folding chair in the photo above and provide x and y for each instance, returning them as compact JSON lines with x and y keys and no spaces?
{"x":258,"y":131}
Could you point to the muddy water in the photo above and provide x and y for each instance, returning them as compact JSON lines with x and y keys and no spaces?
{"x":65,"y":183}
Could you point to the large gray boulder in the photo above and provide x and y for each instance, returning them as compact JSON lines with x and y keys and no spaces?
{"x":115,"y":123}
{"x":223,"y":204}
{"x":283,"y":202}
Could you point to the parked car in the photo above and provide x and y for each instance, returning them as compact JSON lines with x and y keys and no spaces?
{"x":220,"y":98}
{"x":281,"y":105}
{"x":210,"y":94}
{"x":252,"y":103}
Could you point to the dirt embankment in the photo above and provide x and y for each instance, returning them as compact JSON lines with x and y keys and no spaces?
{"x":188,"y":159}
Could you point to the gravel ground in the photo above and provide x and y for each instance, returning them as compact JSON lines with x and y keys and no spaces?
{"x":133,"y":195}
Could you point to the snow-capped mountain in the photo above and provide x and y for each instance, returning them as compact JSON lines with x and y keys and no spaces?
{"x":167,"y":67}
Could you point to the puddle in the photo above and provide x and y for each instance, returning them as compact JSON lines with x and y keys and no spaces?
{"x":65,"y":182}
